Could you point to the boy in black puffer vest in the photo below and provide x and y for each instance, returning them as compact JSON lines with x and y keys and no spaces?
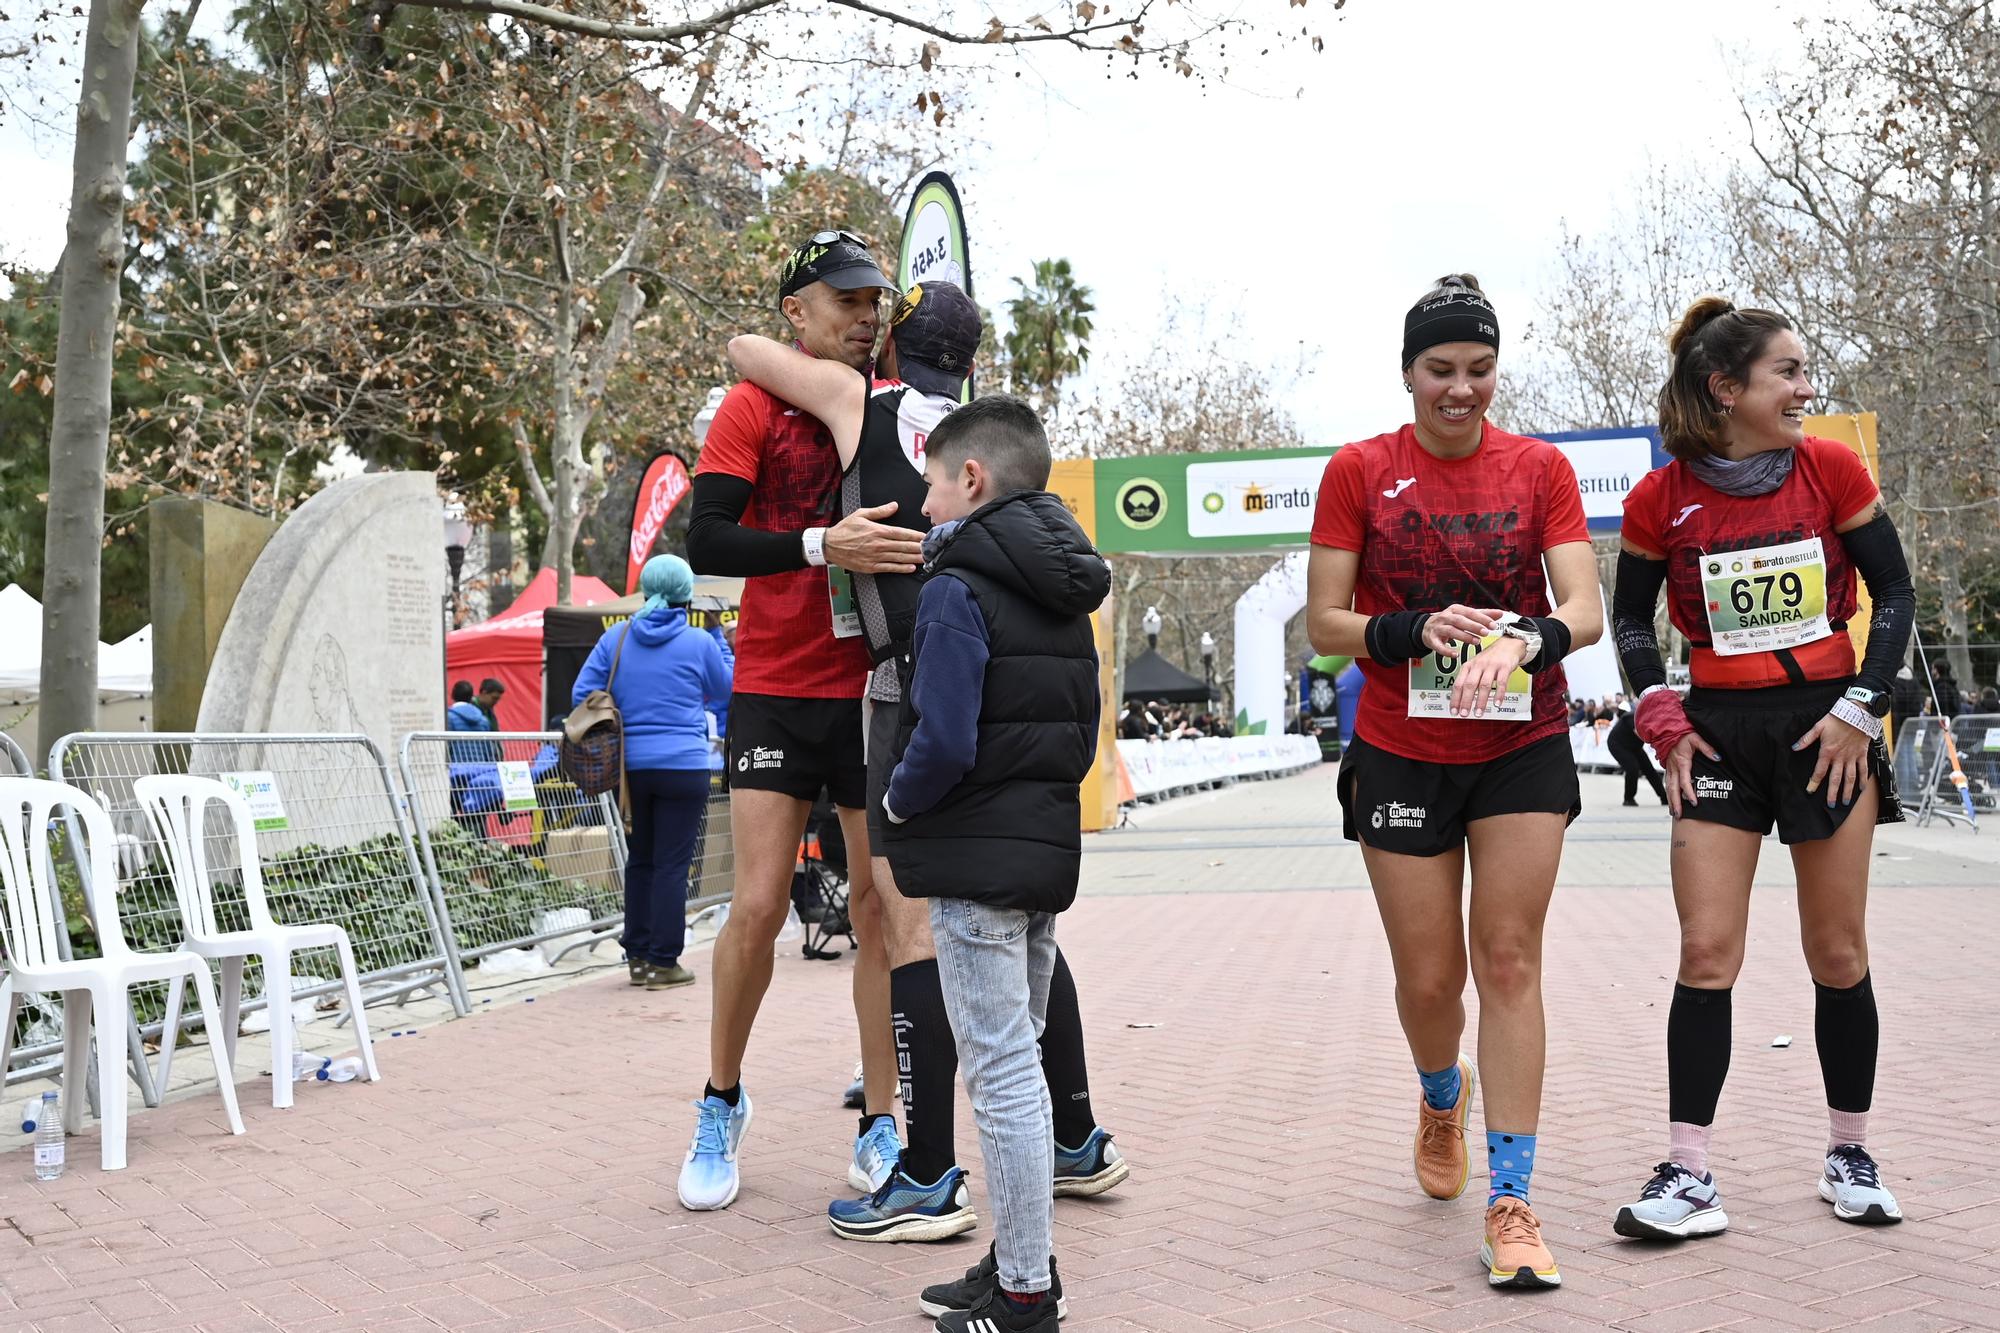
{"x":999,"y":725}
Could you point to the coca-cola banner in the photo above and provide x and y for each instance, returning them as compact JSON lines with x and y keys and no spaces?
{"x":664,"y":486}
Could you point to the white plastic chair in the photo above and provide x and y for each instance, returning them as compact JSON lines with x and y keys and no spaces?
{"x":91,"y":987}
{"x":177,"y":808}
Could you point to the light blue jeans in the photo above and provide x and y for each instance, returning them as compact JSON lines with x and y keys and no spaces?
{"x":994,"y":964}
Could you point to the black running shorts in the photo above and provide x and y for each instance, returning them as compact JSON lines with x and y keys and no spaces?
{"x":1417,"y":808}
{"x":1760,"y":779}
{"x":798,"y":746}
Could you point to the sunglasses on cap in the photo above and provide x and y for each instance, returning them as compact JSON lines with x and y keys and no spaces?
{"x":829,"y":237}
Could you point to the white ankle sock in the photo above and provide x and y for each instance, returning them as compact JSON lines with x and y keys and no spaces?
{"x":1846,"y":1127}
{"x":1688,"y":1145}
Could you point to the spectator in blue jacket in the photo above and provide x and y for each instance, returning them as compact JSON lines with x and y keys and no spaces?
{"x":668,"y":678}
{"x":464,"y":756}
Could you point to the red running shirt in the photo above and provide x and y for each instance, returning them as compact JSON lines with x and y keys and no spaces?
{"x":1433,"y":531}
{"x":785,"y":643}
{"x":1672,"y":513}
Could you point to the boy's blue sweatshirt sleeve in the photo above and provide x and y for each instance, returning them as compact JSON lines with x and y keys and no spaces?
{"x":951,"y":650}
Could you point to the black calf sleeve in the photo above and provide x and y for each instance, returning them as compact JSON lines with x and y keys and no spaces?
{"x":1698,"y":1031}
{"x":1063,"y":1065}
{"x":1848,"y":1033}
{"x":927,"y":1061}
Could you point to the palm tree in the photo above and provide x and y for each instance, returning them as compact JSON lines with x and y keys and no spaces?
{"x":1049,"y":340}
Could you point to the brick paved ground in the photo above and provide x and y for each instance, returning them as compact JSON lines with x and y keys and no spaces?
{"x":516,"y":1170}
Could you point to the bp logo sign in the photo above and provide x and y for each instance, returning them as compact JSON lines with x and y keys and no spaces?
{"x":1213,"y":502}
{"x":1142,"y":503}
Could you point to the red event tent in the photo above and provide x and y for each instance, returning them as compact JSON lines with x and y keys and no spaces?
{"x":509,"y":647}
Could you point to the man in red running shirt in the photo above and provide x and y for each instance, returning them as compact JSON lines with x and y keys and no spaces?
{"x":766,"y":500}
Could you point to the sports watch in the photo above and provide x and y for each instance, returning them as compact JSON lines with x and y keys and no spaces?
{"x":1875,"y":701}
{"x":1519,"y":627}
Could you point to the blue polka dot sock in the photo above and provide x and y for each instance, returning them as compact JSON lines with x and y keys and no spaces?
{"x":1441,"y":1088}
{"x":1510,"y":1158}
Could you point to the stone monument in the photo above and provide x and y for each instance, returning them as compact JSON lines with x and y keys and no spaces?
{"x":340,"y":625}
{"x":199,"y":552}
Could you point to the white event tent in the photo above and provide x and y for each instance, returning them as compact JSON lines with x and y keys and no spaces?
{"x":124,"y":669}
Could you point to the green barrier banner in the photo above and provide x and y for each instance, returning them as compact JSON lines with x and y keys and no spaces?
{"x":1249,"y":500}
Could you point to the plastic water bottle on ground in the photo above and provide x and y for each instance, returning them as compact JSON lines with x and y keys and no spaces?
{"x":794,"y":929}
{"x":344,"y":1070}
{"x":49,"y":1139}
{"x":306,"y":1065}
{"x":31,"y":1114}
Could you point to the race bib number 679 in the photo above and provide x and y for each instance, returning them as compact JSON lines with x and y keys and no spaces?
{"x":1762,"y":600}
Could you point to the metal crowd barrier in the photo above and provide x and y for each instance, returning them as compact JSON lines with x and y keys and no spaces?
{"x":15,"y":755}
{"x":1927,"y":784}
{"x":331,"y":839}
{"x":517,"y":854}
{"x":712,"y":874}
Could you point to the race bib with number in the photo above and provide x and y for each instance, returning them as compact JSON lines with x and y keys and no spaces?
{"x":1433,"y":674}
{"x":840,"y":595}
{"x":1762,"y":600}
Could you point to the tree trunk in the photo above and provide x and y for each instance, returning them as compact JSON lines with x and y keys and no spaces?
{"x":80,"y":435}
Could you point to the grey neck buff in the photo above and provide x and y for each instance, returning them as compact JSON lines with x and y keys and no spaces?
{"x":1759,"y":474}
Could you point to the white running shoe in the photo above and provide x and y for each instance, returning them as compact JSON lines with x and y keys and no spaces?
{"x":1853,"y":1185}
{"x":875,"y":1156}
{"x":1675,"y":1204}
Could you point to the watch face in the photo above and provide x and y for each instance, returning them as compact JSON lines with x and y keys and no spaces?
{"x":1875,"y":701}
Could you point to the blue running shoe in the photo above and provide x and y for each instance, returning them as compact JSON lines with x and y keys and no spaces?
{"x":1091,"y":1169}
{"x":903,"y":1209}
{"x":709,"y":1178}
{"x":875,"y":1155}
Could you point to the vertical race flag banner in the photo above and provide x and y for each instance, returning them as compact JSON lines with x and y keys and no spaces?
{"x":934,"y":243}
{"x":664,"y":486}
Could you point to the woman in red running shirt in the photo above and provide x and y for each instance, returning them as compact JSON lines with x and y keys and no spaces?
{"x":1758,"y":531}
{"x":1427,"y":569}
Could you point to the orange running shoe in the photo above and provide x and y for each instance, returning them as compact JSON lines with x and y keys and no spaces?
{"x":1513,"y":1251}
{"x":1440,"y":1151}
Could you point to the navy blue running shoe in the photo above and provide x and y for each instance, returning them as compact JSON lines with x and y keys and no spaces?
{"x":1091,"y":1169}
{"x":904,"y":1209}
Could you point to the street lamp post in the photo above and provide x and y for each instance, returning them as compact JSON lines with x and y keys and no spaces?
{"x":457,"y":536}
{"x":1150,"y":622}
{"x":1208,"y":663}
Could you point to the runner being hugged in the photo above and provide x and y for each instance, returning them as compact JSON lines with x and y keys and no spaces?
{"x":880,"y":428}
{"x":1426,"y":539}
{"x":765,"y":500}
{"x":1758,"y":530}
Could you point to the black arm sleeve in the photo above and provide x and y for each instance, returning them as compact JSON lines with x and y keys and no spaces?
{"x":1556,"y":641}
{"x":1633,"y":598}
{"x":1878,"y":555}
{"x":717,"y":541}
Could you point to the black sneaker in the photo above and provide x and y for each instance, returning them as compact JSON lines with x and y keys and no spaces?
{"x":981,"y":1284}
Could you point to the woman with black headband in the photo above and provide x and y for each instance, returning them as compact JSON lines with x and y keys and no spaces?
{"x":1426,"y":568}
{"x":1758,"y":531}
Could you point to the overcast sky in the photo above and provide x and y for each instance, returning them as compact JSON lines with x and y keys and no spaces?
{"x":1308,"y":203}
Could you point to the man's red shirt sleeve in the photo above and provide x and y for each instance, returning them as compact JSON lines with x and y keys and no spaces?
{"x":1340,"y":516}
{"x":735,"y":443}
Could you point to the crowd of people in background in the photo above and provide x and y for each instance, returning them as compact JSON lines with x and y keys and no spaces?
{"x":1159,"y":721}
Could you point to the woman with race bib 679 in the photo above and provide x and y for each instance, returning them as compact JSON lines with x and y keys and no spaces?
{"x":1758,"y":532}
